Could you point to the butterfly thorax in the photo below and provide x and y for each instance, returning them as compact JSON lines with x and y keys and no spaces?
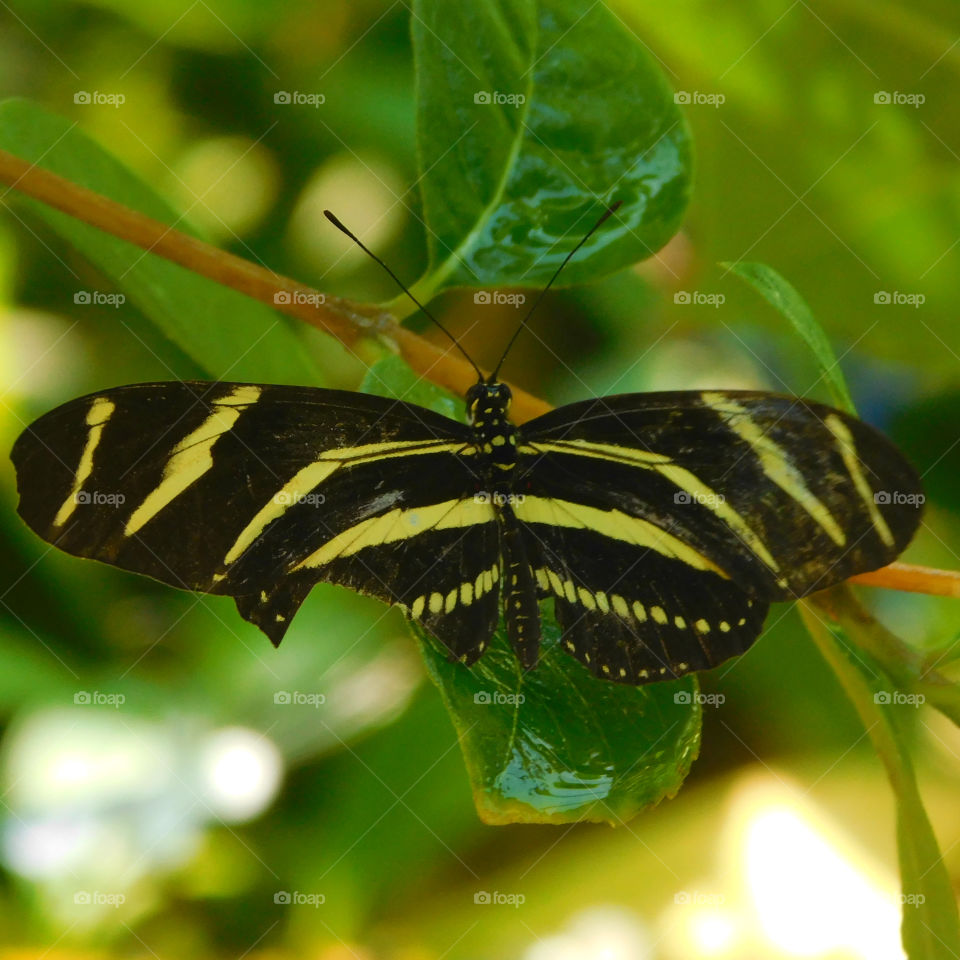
{"x":488,"y":405}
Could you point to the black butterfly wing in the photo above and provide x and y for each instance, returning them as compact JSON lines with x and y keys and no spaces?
{"x":448,"y":581}
{"x":631,"y":614}
{"x":259,"y":491}
{"x":700,"y":508}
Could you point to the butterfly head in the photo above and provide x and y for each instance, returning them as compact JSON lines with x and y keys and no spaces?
{"x":488,"y":404}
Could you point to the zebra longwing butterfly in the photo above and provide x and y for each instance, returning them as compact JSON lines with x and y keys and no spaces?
{"x":661,"y":525}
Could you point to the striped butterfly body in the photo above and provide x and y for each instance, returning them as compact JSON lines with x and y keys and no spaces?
{"x":660,"y":525}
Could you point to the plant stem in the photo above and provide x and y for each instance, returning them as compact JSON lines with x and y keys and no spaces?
{"x":913,"y":578}
{"x":907,"y":667}
{"x":346,"y":320}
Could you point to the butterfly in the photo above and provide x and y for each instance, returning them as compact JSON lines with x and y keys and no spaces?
{"x":660,"y":525}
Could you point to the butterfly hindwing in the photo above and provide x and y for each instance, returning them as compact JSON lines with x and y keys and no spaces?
{"x":447,"y":580}
{"x":639,"y":616}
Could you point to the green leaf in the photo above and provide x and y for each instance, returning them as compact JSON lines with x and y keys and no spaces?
{"x":227,"y":334}
{"x":391,"y":377}
{"x":556,"y":745}
{"x":909,"y":669}
{"x":930,"y":927}
{"x":509,"y":188}
{"x":782,"y":295}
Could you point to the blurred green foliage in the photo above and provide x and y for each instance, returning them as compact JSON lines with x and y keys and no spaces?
{"x":800,"y":166}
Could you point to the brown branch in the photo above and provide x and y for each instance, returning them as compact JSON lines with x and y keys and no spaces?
{"x":907,"y":576}
{"x":346,"y":320}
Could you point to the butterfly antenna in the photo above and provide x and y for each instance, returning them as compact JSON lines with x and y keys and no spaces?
{"x":536,"y":303}
{"x":402,"y":286}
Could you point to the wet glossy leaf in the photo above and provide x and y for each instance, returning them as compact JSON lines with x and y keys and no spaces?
{"x":557,"y":745}
{"x":533,"y":116}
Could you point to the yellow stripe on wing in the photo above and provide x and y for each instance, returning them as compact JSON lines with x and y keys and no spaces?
{"x":101,"y":410}
{"x":306,"y":480}
{"x":848,"y":450}
{"x":775,"y":462}
{"x":698,"y":491}
{"x":192,"y":457}
{"x":400,"y":524}
{"x":614,"y":524}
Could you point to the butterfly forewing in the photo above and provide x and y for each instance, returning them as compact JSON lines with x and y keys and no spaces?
{"x":260,"y":491}
{"x":783,"y":496}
